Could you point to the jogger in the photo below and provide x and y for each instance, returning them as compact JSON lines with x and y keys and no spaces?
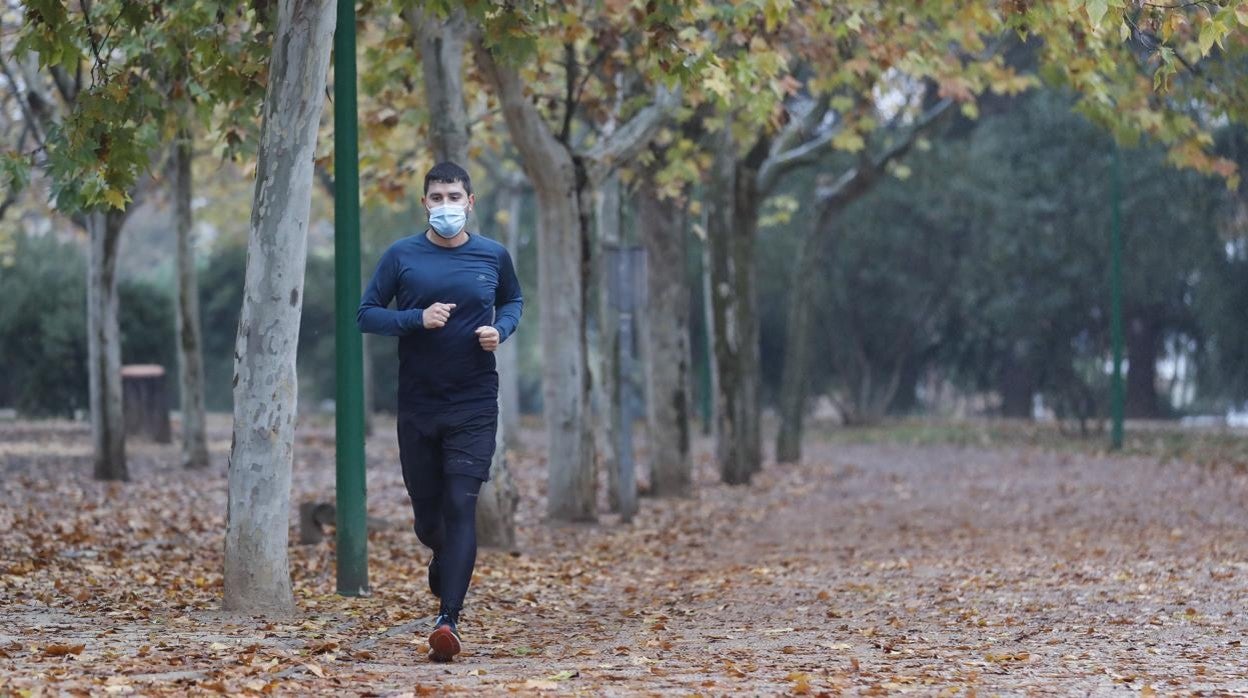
{"x":457,"y":298}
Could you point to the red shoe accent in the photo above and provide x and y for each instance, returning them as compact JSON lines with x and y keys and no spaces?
{"x":443,"y":645}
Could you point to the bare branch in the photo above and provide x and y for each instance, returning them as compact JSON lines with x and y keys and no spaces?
{"x":780,"y":164}
{"x":33,"y":119}
{"x":801,"y":126}
{"x":622,"y":144}
{"x":856,"y":180}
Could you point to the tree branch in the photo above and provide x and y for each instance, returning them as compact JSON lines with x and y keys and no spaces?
{"x":530,"y":132}
{"x":570,"y":67}
{"x":781,"y":164}
{"x":34,"y":120}
{"x":857,"y":180}
{"x":627,"y":140}
{"x":800,"y":126}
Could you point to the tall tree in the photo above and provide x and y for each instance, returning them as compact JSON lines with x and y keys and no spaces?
{"x":661,"y":227}
{"x":869,"y":398}
{"x":190,"y":342}
{"x":564,"y":175}
{"x":257,"y":576}
{"x":97,"y":136}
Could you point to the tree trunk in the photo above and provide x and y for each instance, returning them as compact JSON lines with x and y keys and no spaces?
{"x":565,"y":372}
{"x":560,"y":184}
{"x":732,"y":222}
{"x":1143,"y":346}
{"x":257,"y":577}
{"x":108,"y":429}
{"x":508,"y":353}
{"x":666,"y":336}
{"x":496,"y":505}
{"x":606,"y":396}
{"x":442,"y":59}
{"x":190,"y":356}
{"x":811,"y":259}
{"x":1017,"y":383}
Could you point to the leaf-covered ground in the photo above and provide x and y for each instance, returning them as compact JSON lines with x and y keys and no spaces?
{"x":876,"y":567}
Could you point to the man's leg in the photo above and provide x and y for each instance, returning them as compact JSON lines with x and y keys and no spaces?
{"x":459,"y":553}
{"x":467,"y":448}
{"x":420,"y":454}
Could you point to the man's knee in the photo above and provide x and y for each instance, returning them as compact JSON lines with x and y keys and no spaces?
{"x":427,"y":522}
{"x":461,"y":500}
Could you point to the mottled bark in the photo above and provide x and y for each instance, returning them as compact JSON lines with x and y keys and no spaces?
{"x":108,"y":429}
{"x":732,"y":223}
{"x":441,"y":61}
{"x":508,"y":354}
{"x":605,"y":356}
{"x":799,"y":336}
{"x":257,"y":577}
{"x":666,"y":339}
{"x":496,"y":504}
{"x":190,"y":356}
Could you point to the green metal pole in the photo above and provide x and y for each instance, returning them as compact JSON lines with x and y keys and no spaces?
{"x":348,"y":343}
{"x":1117,"y":397}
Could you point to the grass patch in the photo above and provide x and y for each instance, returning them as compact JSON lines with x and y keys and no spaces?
{"x":1163,"y":441}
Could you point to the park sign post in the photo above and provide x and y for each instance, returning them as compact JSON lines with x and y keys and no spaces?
{"x":352,"y":533}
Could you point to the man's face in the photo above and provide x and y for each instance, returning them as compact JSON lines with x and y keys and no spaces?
{"x":441,"y":194}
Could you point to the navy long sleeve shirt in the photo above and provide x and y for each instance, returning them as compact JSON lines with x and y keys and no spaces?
{"x":445,"y":367}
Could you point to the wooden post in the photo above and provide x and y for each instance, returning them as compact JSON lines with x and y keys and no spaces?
{"x":145,"y":401}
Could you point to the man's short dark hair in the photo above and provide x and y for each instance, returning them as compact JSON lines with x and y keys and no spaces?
{"x":448,"y":173}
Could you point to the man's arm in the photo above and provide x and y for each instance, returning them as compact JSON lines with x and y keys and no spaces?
{"x":508,"y":301}
{"x":373,"y":316}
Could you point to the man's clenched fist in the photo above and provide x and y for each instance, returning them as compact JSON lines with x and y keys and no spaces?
{"x":488,"y":336}
{"x":436,"y":315}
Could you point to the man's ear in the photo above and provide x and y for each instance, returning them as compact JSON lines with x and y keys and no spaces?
{"x":472,"y":201}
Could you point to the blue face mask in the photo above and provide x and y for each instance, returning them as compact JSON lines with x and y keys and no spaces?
{"x":448,"y":220}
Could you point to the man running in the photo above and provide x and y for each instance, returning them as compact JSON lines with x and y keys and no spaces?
{"x":457,"y":298}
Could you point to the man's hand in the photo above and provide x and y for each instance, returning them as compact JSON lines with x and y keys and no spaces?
{"x":488,"y":336}
{"x":436,"y":315}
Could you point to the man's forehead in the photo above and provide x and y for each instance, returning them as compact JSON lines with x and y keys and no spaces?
{"x":446,"y":188}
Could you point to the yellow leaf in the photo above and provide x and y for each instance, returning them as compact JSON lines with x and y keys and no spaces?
{"x":848,"y":140}
{"x":116,"y":198}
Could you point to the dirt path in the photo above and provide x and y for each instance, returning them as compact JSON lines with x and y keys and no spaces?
{"x":867,"y":570}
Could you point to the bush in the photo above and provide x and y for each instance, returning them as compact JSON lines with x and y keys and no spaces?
{"x":43,"y":327}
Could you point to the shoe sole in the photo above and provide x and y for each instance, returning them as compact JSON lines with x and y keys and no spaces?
{"x":443,"y":645}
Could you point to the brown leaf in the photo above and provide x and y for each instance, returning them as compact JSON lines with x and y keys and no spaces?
{"x":62,"y":650}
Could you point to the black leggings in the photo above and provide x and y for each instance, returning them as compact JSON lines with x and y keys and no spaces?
{"x":447,"y":523}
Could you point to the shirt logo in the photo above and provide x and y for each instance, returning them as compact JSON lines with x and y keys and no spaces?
{"x":480,"y":277}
